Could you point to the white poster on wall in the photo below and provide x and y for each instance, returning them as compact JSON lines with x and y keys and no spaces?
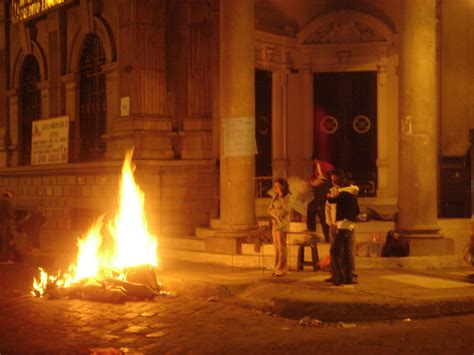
{"x":50,"y":141}
{"x":239,"y":136}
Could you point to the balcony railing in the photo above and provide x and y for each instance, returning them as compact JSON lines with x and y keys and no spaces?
{"x":262,"y":185}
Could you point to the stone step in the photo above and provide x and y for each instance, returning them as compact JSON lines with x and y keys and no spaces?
{"x":269,"y":250}
{"x":182,"y":243}
{"x":205,"y":232}
{"x":215,"y":223}
{"x":266,"y":261}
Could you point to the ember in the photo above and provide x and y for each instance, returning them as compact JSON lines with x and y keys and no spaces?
{"x":116,"y":261}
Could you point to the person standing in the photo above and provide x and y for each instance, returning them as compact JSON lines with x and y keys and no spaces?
{"x":279,"y":211}
{"x":6,"y":218}
{"x":321,"y":184}
{"x":341,"y":251}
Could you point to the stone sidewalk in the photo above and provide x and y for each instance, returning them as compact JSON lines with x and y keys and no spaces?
{"x":380,"y":294}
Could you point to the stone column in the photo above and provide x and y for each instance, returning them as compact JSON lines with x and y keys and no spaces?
{"x":279,"y":122}
{"x":237,"y":110}
{"x":383,"y":137}
{"x":308,"y":112}
{"x":4,"y":83}
{"x":418,"y":148}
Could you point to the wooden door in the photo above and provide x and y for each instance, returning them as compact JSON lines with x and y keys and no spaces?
{"x":345,"y":129}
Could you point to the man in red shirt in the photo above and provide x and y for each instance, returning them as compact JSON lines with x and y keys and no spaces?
{"x":321,"y":183}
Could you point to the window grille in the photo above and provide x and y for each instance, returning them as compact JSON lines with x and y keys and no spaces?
{"x":92,"y":99}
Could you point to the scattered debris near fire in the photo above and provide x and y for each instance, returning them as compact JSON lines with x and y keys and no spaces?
{"x":117,"y":260}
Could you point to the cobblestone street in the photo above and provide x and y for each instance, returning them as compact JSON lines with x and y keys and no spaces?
{"x":198,"y":324}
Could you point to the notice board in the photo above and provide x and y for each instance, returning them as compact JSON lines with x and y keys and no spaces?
{"x":50,"y":141}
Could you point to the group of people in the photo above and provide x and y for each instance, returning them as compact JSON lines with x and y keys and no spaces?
{"x":335,"y":203}
{"x":30,"y":224}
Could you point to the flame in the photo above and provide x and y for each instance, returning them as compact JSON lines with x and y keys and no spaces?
{"x":133,"y":244}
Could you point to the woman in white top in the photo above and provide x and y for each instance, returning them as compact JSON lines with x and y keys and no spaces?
{"x":279,"y":211}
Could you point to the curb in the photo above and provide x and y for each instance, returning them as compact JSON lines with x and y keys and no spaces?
{"x":362,"y":312}
{"x":326,"y":311}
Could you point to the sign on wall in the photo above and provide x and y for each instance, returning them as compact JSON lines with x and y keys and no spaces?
{"x":24,"y":10}
{"x":239,"y":136}
{"x":50,"y":141}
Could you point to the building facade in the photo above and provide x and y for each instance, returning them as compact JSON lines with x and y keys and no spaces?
{"x":379,"y":88}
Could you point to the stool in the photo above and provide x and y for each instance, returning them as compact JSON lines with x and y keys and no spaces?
{"x":314,"y":257}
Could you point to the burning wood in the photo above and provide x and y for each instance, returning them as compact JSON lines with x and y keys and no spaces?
{"x":121,"y":270}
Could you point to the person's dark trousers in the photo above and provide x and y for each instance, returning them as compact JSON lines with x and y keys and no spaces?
{"x":317,"y":208}
{"x":4,"y":243}
{"x":342,"y":257}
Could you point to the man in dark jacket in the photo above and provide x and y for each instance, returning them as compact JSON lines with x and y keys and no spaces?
{"x":321,"y":184}
{"x":347,"y":210}
{"x":6,"y":218}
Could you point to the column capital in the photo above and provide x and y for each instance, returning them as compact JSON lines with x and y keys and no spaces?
{"x":43,"y":85}
{"x":68,"y":79}
{"x":382,"y":68}
{"x":110,"y":68}
{"x":12,"y":93}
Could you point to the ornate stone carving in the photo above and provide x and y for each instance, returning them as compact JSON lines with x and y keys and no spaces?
{"x":345,"y":30}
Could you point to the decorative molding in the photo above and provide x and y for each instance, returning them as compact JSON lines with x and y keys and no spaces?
{"x":272,"y":51}
{"x":102,"y":29}
{"x":345,"y":30}
{"x":345,"y":26}
{"x":40,"y":57}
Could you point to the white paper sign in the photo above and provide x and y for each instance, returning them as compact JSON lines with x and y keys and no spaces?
{"x":239,"y":136}
{"x":50,"y":141}
{"x":125,"y":106}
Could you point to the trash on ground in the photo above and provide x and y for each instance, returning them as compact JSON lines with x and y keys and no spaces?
{"x":347,"y":325}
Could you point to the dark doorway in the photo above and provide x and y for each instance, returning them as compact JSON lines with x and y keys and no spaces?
{"x":263,"y":123}
{"x":345,"y":130}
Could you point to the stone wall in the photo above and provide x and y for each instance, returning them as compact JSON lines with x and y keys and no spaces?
{"x":179,"y":196}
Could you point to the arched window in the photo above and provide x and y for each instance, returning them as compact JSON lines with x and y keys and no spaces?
{"x":92,"y":99}
{"x":30,"y":106}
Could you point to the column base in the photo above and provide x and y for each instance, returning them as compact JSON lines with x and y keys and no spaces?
{"x":423,"y":246}
{"x":223,"y":245}
{"x":225,"y":242}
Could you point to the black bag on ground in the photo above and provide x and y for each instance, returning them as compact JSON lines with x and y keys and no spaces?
{"x":395,"y":246}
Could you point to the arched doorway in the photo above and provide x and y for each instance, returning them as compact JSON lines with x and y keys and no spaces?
{"x":30,"y":106}
{"x":92,"y":99}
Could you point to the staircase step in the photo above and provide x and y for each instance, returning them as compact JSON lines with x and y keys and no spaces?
{"x":264,"y":261}
{"x":204,"y":232}
{"x":269,"y":250}
{"x":215,"y":223}
{"x":182,"y":243}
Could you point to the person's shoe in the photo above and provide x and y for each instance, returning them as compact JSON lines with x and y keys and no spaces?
{"x":328,"y":279}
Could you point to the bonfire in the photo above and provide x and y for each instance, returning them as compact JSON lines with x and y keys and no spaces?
{"x":116,"y":260}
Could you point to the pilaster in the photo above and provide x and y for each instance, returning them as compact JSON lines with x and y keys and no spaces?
{"x":145,"y":122}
